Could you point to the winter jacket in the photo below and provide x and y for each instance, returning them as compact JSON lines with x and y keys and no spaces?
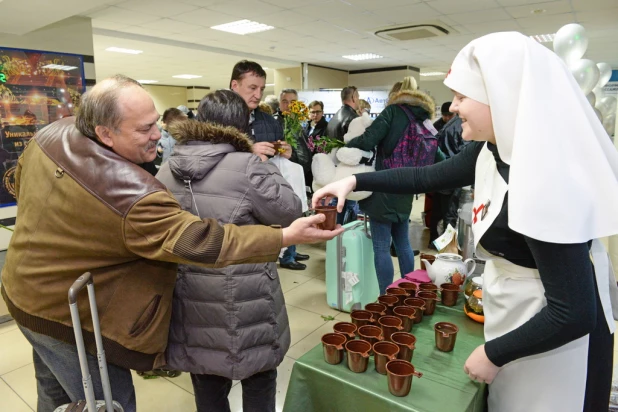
{"x":265,"y":128}
{"x":84,"y":208}
{"x":385,"y":132}
{"x":229,"y":322}
{"x":338,"y":125}
{"x":319,"y":130}
{"x":449,"y":138}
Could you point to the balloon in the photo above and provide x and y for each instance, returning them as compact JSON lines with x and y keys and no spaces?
{"x":592,"y":99}
{"x":571,"y":43}
{"x":605,"y":73}
{"x":607,"y":105}
{"x":599,"y":93}
{"x":586,"y":74}
{"x":609,"y":123}
{"x":599,"y":114}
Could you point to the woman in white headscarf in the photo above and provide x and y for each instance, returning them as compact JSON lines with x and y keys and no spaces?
{"x":543,"y":194}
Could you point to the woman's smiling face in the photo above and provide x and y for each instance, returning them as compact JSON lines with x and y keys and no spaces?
{"x":476,"y":123}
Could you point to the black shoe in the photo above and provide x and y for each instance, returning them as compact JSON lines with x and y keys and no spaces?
{"x":293,"y":266}
{"x":300,"y":257}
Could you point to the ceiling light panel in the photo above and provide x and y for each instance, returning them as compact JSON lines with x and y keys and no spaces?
{"x":433,"y":74}
{"x":121,"y":50}
{"x":148,"y":81}
{"x":243,"y":27}
{"x":543,"y":38}
{"x":186,"y":76}
{"x":363,"y":56}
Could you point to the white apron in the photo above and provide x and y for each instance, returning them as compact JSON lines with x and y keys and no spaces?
{"x":512,"y":294}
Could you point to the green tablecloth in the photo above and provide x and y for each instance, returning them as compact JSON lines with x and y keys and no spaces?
{"x":316,"y":386}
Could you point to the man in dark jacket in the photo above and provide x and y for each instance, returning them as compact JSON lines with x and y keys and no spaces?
{"x":446,"y":116}
{"x":338,"y":125}
{"x":249,"y":81}
{"x":446,"y":203}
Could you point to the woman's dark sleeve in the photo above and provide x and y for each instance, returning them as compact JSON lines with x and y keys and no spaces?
{"x":453,"y":173}
{"x":568,"y":278}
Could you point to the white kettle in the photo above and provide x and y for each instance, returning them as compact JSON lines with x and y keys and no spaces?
{"x":449,"y":268}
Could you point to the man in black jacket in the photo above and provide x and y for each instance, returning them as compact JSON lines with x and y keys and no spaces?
{"x":249,"y":81}
{"x":338,"y":125}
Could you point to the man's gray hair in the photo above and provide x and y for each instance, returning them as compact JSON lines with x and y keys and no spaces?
{"x":285,"y":91}
{"x":273,"y":102}
{"x":347,"y":93}
{"x":99,"y":106}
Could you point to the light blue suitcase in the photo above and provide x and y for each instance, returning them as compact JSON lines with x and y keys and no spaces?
{"x":351,"y":252}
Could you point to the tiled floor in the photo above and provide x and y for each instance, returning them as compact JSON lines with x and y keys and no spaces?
{"x":305,"y":294}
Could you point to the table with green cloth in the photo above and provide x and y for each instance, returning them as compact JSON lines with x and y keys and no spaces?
{"x":318,"y":386}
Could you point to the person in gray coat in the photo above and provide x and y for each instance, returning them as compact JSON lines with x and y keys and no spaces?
{"x":228,"y":323}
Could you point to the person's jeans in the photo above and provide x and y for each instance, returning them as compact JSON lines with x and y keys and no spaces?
{"x":381,"y":234}
{"x":59,"y":377}
{"x":349,"y":213}
{"x":258,"y":392}
{"x":289,"y":256}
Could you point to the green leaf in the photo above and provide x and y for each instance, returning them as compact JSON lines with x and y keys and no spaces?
{"x":327,"y":317}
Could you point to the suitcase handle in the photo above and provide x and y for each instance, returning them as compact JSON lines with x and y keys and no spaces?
{"x":78,"y":285}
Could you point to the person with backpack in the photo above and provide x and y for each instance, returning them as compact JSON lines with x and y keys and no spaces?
{"x":399,"y":126}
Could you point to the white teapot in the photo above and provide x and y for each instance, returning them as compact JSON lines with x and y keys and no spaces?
{"x":449,"y":268}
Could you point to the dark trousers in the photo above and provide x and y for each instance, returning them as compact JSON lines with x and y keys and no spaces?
{"x":258,"y":392}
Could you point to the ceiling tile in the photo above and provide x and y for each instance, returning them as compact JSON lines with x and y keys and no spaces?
{"x":118,"y":15}
{"x":145,"y":31}
{"x":555,"y":7}
{"x":201,"y":3}
{"x":507,"y":3}
{"x":160,"y":8}
{"x":546,"y":24}
{"x":108,"y":25}
{"x":408,"y":14}
{"x":455,"y":6}
{"x":246,"y":9}
{"x":172,"y":26}
{"x":376,"y":5}
{"x":286,"y":18}
{"x":480,"y":16}
{"x":204,"y":17}
{"x":592,"y":5}
{"x":292,"y":4}
{"x":493,"y":26}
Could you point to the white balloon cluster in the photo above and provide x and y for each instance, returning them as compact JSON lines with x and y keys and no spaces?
{"x":570,"y":44}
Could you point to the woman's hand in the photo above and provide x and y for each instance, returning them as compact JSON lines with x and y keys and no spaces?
{"x":288,"y":149}
{"x":339,"y":189}
{"x":479,"y":368}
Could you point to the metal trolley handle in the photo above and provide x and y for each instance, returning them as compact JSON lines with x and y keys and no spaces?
{"x":78,"y":285}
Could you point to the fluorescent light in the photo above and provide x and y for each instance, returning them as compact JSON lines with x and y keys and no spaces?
{"x":59,"y":67}
{"x":364,"y":56}
{"x":243,"y":27}
{"x":265,"y":68}
{"x":543,"y":38}
{"x":270,"y":84}
{"x":433,"y":74}
{"x":187,"y":76}
{"x":148,"y":81}
{"x":121,"y":50}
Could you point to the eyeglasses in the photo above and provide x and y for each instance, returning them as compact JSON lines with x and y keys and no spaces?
{"x":315,"y":111}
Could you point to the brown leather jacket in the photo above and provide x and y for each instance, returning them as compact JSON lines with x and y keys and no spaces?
{"x":84,"y":208}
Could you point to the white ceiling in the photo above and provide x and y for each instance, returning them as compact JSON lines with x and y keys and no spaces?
{"x":176,"y":37}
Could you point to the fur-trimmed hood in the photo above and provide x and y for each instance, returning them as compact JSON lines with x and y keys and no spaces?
{"x":201,"y":146}
{"x":415,"y":98}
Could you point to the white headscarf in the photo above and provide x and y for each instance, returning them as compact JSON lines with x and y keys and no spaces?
{"x":563,"y":180}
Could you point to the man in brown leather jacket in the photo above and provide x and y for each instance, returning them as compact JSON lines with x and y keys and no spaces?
{"x":86,"y":205}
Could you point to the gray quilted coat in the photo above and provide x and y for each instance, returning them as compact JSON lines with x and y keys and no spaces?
{"x":229,"y":322}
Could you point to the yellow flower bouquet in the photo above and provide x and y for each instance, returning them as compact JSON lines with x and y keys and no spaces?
{"x":296,"y":114}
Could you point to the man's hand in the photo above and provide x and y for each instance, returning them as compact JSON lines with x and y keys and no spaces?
{"x":303,"y":230}
{"x":288,"y":149}
{"x":339,"y":189}
{"x":263,"y":150}
{"x":479,"y":368}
